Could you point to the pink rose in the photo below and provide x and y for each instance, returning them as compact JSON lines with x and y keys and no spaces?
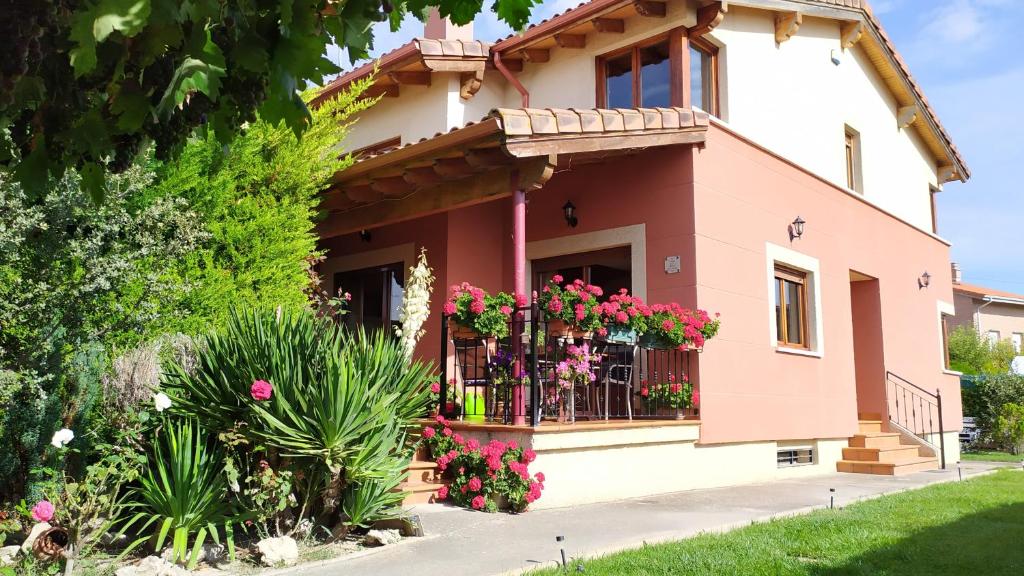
{"x":429,"y":432}
{"x":449,"y":308}
{"x":261,"y":390}
{"x":478,"y":503}
{"x":475,"y":484}
{"x":42,"y":511}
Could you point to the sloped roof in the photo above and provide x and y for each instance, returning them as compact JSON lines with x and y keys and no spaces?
{"x":977,"y":291}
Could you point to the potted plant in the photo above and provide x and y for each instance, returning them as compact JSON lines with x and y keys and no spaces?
{"x":623,"y":318}
{"x":501,"y":368}
{"x":473,"y":313}
{"x":672,"y":326}
{"x":576,"y":369}
{"x":572,"y":310}
{"x":675,"y":397}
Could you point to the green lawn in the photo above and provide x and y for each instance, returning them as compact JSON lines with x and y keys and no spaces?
{"x":991,"y":456}
{"x":970,"y":527}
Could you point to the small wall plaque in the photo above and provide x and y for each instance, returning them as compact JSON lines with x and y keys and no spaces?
{"x":672,"y":265}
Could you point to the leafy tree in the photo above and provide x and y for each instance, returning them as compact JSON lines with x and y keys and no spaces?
{"x":971,"y":353}
{"x":85,"y":83}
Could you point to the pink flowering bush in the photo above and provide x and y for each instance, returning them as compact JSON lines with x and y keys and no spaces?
{"x":471,"y":307}
{"x":672,"y":326}
{"x":576,"y":303}
{"x":481,"y":474}
{"x":674,"y":393}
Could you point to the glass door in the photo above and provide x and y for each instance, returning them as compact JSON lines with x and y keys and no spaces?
{"x":377,"y":294}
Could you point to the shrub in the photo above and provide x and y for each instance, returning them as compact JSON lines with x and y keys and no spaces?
{"x":183,"y":492}
{"x":482,"y":475}
{"x":1009,"y":431}
{"x":328,"y":406}
{"x":986,"y":397}
{"x":972,"y":353}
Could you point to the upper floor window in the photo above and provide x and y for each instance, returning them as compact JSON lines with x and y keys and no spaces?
{"x":853,"y":172}
{"x":704,"y":76}
{"x":636,"y":76}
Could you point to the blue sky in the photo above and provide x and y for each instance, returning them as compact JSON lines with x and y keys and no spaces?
{"x":968,"y":55}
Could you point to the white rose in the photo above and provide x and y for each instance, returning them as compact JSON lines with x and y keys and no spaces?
{"x":161,"y":401}
{"x":62,"y":437}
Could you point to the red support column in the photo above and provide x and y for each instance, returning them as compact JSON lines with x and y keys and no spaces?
{"x":519,"y":279}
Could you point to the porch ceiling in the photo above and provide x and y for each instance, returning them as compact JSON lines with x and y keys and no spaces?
{"x":510,"y":148}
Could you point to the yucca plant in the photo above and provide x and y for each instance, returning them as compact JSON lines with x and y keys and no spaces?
{"x":183,"y":493}
{"x":340,"y":406}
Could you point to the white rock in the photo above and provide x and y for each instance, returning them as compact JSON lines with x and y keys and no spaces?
{"x":381,"y":537}
{"x":278,"y":551}
{"x":152,"y":566}
{"x":33,"y":535}
{"x":8,"y":555}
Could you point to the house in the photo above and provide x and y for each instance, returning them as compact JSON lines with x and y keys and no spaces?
{"x":995,"y":314}
{"x":769,"y":160}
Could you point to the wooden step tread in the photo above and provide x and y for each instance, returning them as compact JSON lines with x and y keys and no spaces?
{"x":870,"y":421}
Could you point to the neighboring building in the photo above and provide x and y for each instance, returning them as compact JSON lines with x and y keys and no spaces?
{"x":690,"y":137}
{"x":995,"y":314}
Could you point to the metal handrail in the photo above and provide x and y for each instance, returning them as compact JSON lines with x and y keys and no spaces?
{"x":921,"y":401}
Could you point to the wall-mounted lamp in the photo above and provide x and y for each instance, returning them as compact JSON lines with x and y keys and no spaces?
{"x":364,"y":235}
{"x":570,"y":214}
{"x":924,"y":280}
{"x":796,"y":229}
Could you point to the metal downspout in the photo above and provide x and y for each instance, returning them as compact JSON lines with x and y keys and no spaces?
{"x":512,"y":79}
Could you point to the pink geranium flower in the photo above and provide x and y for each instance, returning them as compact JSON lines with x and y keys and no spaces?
{"x":429,"y":432}
{"x":477,"y":307}
{"x":42,"y":511}
{"x":449,"y":308}
{"x":475,"y":484}
{"x":478,"y":503}
{"x":442,"y":493}
{"x":435,"y":387}
{"x":261,"y":390}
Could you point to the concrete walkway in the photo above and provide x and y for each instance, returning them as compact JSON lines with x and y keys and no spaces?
{"x":461,"y":542}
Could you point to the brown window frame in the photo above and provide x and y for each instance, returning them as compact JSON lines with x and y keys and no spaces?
{"x":679,"y":68}
{"x":852,"y":149}
{"x":785,"y":274}
{"x":711,"y":50}
{"x":945,"y":342}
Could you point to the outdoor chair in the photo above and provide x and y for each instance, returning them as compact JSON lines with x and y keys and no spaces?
{"x":617,"y":371}
{"x":471,"y":358}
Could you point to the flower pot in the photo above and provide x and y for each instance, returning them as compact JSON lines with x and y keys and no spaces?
{"x":620,"y":334}
{"x":457,"y":331}
{"x":655,"y":342}
{"x":676,"y":413}
{"x":562,"y":329}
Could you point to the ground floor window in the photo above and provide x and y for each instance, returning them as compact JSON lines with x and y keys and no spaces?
{"x":795,"y":456}
{"x":377,"y":294}
{"x":993,"y":337}
{"x":791,"y":307}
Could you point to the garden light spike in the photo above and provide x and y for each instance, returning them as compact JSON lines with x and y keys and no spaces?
{"x":831,"y":498}
{"x":561,"y":549}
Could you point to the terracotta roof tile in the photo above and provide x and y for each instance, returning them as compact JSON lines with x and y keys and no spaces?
{"x":982,"y":291}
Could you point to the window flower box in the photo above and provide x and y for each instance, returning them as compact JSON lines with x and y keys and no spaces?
{"x":473,"y":313}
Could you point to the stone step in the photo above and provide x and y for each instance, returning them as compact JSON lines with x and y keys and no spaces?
{"x":905,"y":466}
{"x":869,"y":416}
{"x":886,"y":454}
{"x":875,"y":440}
{"x":422,"y":473}
{"x":869,"y":426}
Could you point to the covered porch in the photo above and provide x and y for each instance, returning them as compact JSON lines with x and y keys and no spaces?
{"x":465,"y":196}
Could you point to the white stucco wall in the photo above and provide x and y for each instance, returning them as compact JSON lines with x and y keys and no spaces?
{"x":792,"y":99}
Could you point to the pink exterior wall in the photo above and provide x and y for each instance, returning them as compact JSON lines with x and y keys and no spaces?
{"x":716,"y":208}
{"x":745,"y":197}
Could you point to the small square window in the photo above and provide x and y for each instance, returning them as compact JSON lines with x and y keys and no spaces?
{"x":791,"y":307}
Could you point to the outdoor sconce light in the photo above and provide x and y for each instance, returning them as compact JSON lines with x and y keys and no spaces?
{"x":570,"y":214}
{"x":364,"y":235}
{"x":796,"y":229}
{"x":924,"y":280}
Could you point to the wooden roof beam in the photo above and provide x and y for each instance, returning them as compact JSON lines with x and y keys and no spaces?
{"x":709,"y":17}
{"x":413,"y":78}
{"x":392,"y":187}
{"x":907,"y":115}
{"x":536,"y":55}
{"x":650,"y":8}
{"x":484,"y":158}
{"x":451,"y":168}
{"x":385,"y":90}
{"x":422,"y":177}
{"x":786,"y":25}
{"x":571,"y":40}
{"x":850,"y":33}
{"x":362,"y":193}
{"x":613,"y":25}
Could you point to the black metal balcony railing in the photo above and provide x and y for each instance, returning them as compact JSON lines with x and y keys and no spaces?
{"x":630,"y":380}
